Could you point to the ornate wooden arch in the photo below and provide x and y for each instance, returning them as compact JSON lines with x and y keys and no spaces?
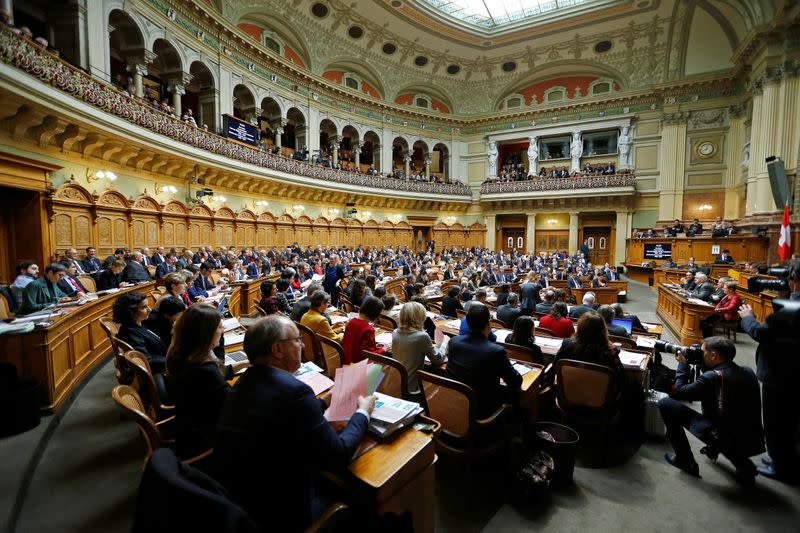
{"x":266,"y":217}
{"x":175,"y":207}
{"x":224,"y":212}
{"x":246,"y":214}
{"x":201,"y":210}
{"x":112,"y":199}
{"x":147,"y":203}
{"x":72,"y":193}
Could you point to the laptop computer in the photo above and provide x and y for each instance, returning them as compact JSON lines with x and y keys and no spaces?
{"x":624,"y":322}
{"x":222,"y":305}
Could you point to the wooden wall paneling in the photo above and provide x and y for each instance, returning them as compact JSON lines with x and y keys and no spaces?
{"x":404,"y":235}
{"x":354,"y":233}
{"x":265,"y":233}
{"x":145,"y":226}
{"x":222,"y":226}
{"x":174,"y":225}
{"x":371,"y":233}
{"x":750,"y":248}
{"x":113,"y":223}
{"x":200,"y":233}
{"x":72,"y":223}
{"x":285,"y":233}
{"x":245,"y":228}
{"x":320,"y":232}
{"x":303,"y":233}
{"x":338,"y":232}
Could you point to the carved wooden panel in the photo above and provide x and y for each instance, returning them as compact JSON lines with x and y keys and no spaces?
{"x":151,"y":236}
{"x":120,"y":232}
{"x":104,"y":232}
{"x":205,"y":233}
{"x":64,"y":235}
{"x":194,"y":235}
{"x":168,"y":233}
{"x":181,"y":233}
{"x":138,"y":233}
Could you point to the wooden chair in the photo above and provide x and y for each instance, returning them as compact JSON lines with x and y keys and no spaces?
{"x":5,"y":311}
{"x":463,"y":434}
{"x":460,"y":313}
{"x":728,"y":327}
{"x":544,"y":332}
{"x":88,"y":282}
{"x":495,"y":323}
{"x":395,"y":379}
{"x":347,"y":305}
{"x":387,"y":322}
{"x":151,"y":269}
{"x":132,"y":406}
{"x":311,"y":348}
{"x":435,"y":308}
{"x":515,"y":351}
{"x":261,"y":311}
{"x":152,"y":298}
{"x":151,"y":394}
{"x":587,"y":393}
{"x":214,"y":277}
{"x":123,"y":373}
{"x":328,"y":520}
{"x":623,"y":341}
{"x":332,"y":353}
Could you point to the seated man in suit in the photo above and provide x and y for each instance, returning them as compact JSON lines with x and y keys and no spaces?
{"x":71,"y":255}
{"x":111,"y":278}
{"x":546,"y":306}
{"x":302,"y":305}
{"x":43,"y":291}
{"x":509,"y":312}
{"x":574,"y":281}
{"x":274,"y":421}
{"x":167,"y":266}
{"x":91,"y":263}
{"x":724,"y":258}
{"x":704,"y":288}
{"x":158,"y":257}
{"x":688,"y":281}
{"x":254,"y":268}
{"x":677,"y":227}
{"x":586,"y":305}
{"x":202,"y":284}
{"x":695,"y":228}
{"x":730,"y":422}
{"x":135,"y":272}
{"x":480,"y":363}
{"x":69,"y":284}
{"x":119,"y":253}
{"x":451,"y":302}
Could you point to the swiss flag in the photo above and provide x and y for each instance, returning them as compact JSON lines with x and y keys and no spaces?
{"x":785,"y":241}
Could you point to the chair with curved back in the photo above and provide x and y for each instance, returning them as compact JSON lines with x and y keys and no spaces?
{"x":123,"y":373}
{"x":311,"y":348}
{"x":5,"y":309}
{"x":332,"y":353}
{"x":520,"y":353}
{"x":435,"y":308}
{"x":387,"y":322}
{"x":151,"y":269}
{"x":88,"y":282}
{"x":544,"y":332}
{"x":495,"y":323}
{"x":153,"y":395}
{"x":623,"y":341}
{"x":261,"y":311}
{"x":395,"y":375}
{"x":346,"y":304}
{"x":460,"y":313}
{"x":587,"y":394}
{"x":453,"y":405}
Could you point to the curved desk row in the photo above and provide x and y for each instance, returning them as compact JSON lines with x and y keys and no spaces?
{"x":681,"y":315}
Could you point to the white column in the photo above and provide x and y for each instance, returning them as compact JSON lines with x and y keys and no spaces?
{"x":576,"y":150}
{"x":177,"y":92}
{"x":491,"y":232}
{"x":312,"y":132}
{"x":672,"y":162}
{"x":279,"y":132}
{"x":357,"y":155}
{"x":225,"y":92}
{"x":764,"y":140}
{"x":620,"y":252}
{"x":427,"y":166}
{"x":387,"y":163}
{"x":377,"y":160}
{"x":573,"y":232}
{"x":407,"y":165}
{"x":334,"y":140}
{"x":733,"y":159}
{"x":530,"y":233}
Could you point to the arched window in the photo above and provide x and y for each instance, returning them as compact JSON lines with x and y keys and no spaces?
{"x":602,"y":243}
{"x":590,"y":243}
{"x":555,"y":94}
{"x":423,"y":101}
{"x":513,"y":102}
{"x":272,"y":44}
{"x":351,"y":82}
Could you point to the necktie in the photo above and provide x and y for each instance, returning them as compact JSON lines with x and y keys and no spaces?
{"x":78,"y":267}
{"x":75,"y":286}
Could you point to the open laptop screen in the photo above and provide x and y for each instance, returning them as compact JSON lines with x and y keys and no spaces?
{"x":624,"y":322}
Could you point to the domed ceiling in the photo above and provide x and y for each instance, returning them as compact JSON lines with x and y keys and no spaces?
{"x":468,"y":57}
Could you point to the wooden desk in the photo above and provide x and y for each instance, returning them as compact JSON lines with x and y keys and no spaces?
{"x":681,"y":316}
{"x":603,"y":295}
{"x":251,"y":294}
{"x":60,"y":355}
{"x":637,"y":272}
{"x":743,"y":247}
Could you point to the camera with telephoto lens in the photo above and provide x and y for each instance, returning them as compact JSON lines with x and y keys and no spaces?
{"x":781,"y":284}
{"x":693,"y":353}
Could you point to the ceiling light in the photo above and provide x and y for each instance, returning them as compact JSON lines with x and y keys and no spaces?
{"x":94,"y":175}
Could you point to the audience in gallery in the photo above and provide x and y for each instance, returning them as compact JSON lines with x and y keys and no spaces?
{"x":557,"y":321}
{"x":359,"y":335}
{"x":317,"y":321}
{"x":130,"y":311}
{"x":524,"y":334}
{"x":197,"y":378}
{"x":720,"y":228}
{"x":479,"y":362}
{"x":411,"y":344}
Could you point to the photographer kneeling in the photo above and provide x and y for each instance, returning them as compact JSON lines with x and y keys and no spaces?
{"x":730,"y":422}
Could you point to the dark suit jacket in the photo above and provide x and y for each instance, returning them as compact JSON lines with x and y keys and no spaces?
{"x":68,"y":290}
{"x":163,"y":269}
{"x":156,"y":259}
{"x":480,"y":363}
{"x":703,"y":291}
{"x":724,"y":260}
{"x":450,"y":305}
{"x":135,"y":272}
{"x":529,"y":296}
{"x":274,"y":423}
{"x":739,"y":421}
{"x":775,"y":367}
{"x":617,"y":331}
{"x":148,"y":342}
{"x":578,"y":310}
{"x":108,"y":280}
{"x":252,"y":271}
{"x":91,"y":265}
{"x":573,"y":283}
{"x":543,"y":308}
{"x":508,"y":314}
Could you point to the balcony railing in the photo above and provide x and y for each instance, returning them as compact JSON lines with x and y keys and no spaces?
{"x":31,"y":58}
{"x":559,"y":184}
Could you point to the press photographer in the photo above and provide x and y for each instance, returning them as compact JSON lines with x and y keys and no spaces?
{"x":730,"y":421}
{"x":778,"y":367}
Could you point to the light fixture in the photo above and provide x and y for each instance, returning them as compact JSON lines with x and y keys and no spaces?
{"x":396,"y":217}
{"x":261,"y":203}
{"x":95,"y":175}
{"x":450,"y":219}
{"x":705,"y":207}
{"x":552,"y":221}
{"x":166,"y":188}
{"x":219,"y":198}
{"x":298,"y":207}
{"x":333,"y":212}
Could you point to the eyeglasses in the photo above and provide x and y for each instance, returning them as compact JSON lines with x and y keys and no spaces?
{"x":299,"y":339}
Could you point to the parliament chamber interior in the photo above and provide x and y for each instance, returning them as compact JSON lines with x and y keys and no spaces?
{"x":399,"y":265}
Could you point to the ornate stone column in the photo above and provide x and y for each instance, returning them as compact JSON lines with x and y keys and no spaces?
{"x":137,"y":66}
{"x":491,"y":232}
{"x":491,"y":159}
{"x":428,"y":162}
{"x":576,"y":150}
{"x":733,"y":161}
{"x":573,"y":232}
{"x":672,"y":163}
{"x":765,"y":137}
{"x":530,"y":233}
{"x":177,"y":90}
{"x":334,"y":140}
{"x":357,"y":154}
{"x":377,"y":162}
{"x":407,"y":165}
{"x":279,"y":132}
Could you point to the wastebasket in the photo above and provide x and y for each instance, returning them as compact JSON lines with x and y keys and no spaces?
{"x":561,"y":442}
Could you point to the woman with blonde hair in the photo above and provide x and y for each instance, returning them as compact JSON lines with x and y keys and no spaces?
{"x":410,"y":343}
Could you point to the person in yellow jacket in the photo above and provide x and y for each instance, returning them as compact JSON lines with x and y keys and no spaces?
{"x":315,"y":319}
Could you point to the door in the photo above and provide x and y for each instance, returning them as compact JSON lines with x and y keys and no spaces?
{"x":598,"y":240}
{"x":513,"y":239}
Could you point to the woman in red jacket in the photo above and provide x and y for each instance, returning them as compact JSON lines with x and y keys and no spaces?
{"x":359,"y":335}
{"x":558,"y":322}
{"x":726,"y":309}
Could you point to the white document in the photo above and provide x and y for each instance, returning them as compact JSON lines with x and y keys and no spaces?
{"x":392,"y":410}
{"x":645,"y":342}
{"x":231,"y":323}
{"x":632,"y":359}
{"x":336,"y":319}
{"x":521,"y":369}
{"x":384,"y":338}
{"x":234,"y":338}
{"x":502,"y":334}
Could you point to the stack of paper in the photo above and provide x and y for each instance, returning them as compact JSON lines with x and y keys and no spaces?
{"x":632,"y":359}
{"x":391,"y":414}
{"x":234,"y":338}
{"x":501,"y":334}
{"x":312,"y":375}
{"x":336,"y":319}
{"x":385,"y":338}
{"x":351,"y":382}
{"x":37,"y":317}
{"x":231,"y":323}
{"x":455,"y":324}
{"x":645,"y":342}
{"x":24,"y":327}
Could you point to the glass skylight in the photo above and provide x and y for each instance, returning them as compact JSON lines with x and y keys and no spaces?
{"x":494,"y":13}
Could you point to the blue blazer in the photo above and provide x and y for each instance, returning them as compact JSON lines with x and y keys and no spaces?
{"x":163,"y":269}
{"x":275,"y":423}
{"x":480,"y":363}
{"x":200,"y":287}
{"x":252,"y":271}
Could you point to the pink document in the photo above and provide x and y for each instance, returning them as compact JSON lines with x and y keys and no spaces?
{"x":351,"y":382}
{"x":319,"y":383}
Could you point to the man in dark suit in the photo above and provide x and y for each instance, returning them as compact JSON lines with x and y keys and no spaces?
{"x":202,"y":284}
{"x":480,"y":363}
{"x":574,"y":282}
{"x":119,"y":253}
{"x":587,"y":305}
{"x":69,"y":284}
{"x":274,"y":421}
{"x":91,"y":263}
{"x":111,"y":278}
{"x":730,"y":421}
{"x":695,"y":228}
{"x":71,"y":255}
{"x":704,"y":288}
{"x":254,"y":268}
{"x":134,"y":271}
{"x":166,"y":266}
{"x":451,"y":303}
{"x":158,"y":257}
{"x":547,"y":305}
{"x":529,"y":294}
{"x":146,"y":261}
{"x":509,"y":312}
{"x":724,"y":258}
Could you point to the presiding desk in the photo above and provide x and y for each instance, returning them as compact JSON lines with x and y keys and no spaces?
{"x":681,"y":315}
{"x":742,"y":246}
{"x":61,"y":354}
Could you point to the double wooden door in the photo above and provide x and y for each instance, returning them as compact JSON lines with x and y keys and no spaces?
{"x":513,"y":239}
{"x":598,"y":239}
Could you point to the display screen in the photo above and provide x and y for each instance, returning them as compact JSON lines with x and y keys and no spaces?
{"x":657,"y":251}
{"x":240,"y":130}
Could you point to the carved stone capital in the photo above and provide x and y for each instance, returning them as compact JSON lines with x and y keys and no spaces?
{"x":676,"y":118}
